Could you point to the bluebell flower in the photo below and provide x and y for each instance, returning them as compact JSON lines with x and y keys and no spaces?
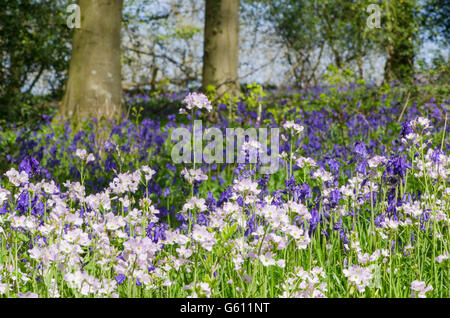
{"x":360,"y":150}
{"x":120,"y":278}
{"x":305,"y":192}
{"x":23,"y":202}
{"x":397,"y":166}
{"x":435,"y":156}
{"x":406,"y":129}
{"x":314,"y":221}
{"x":30,"y":165}
{"x":334,"y":166}
{"x":4,"y":208}
{"x":361,"y":167}
{"x":335,"y":196}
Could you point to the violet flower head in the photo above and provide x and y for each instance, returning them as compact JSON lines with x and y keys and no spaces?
{"x":360,"y":150}
{"x":397,"y":166}
{"x":30,"y":165}
{"x":406,"y":129}
{"x":120,"y":278}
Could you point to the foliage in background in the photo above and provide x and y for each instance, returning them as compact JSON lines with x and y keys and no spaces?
{"x":435,"y":16}
{"x":34,"y":41}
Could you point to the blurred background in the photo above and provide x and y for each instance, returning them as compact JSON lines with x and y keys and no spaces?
{"x":284,"y":43}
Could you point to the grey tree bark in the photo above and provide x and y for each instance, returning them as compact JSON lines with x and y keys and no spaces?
{"x":221,"y":46}
{"x":94,"y":85}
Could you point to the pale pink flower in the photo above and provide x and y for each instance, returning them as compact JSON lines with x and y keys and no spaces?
{"x":291,"y":125}
{"x":197,"y":100}
{"x":442,"y":258}
{"x":194,"y":175}
{"x":27,"y":295}
{"x":193,"y":203}
{"x":302,"y":161}
{"x":419,"y":289}
{"x":246,"y":185}
{"x":360,"y":276}
{"x":17,"y":178}
{"x":4,"y":288}
{"x":4,"y":194}
{"x":148,"y":173}
{"x":267,"y":259}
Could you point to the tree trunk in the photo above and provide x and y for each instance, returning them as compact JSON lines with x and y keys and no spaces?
{"x":400,"y":61}
{"x":360,"y":66}
{"x":400,"y":58}
{"x":221,"y":46}
{"x":94,"y":86}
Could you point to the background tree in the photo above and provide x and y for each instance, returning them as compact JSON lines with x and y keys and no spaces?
{"x":435,"y":19}
{"x":318,"y":33}
{"x":34,"y":42}
{"x":162,"y":45}
{"x":298,"y":34}
{"x":401,"y":39}
{"x":281,"y":42}
{"x":221,"y":46}
{"x":94,"y":87}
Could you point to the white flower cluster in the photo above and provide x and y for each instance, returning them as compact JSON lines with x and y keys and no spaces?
{"x":246,"y":185}
{"x":302,"y":161}
{"x":4,"y":195}
{"x":196,"y":100}
{"x":359,"y":276}
{"x":419,"y":289}
{"x":303,"y":284}
{"x":126,"y":182}
{"x":82,"y":154}
{"x":194,"y":175}
{"x":193,"y":203}
{"x":16,"y":178}
{"x":298,"y":129}
{"x":438,"y":168}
